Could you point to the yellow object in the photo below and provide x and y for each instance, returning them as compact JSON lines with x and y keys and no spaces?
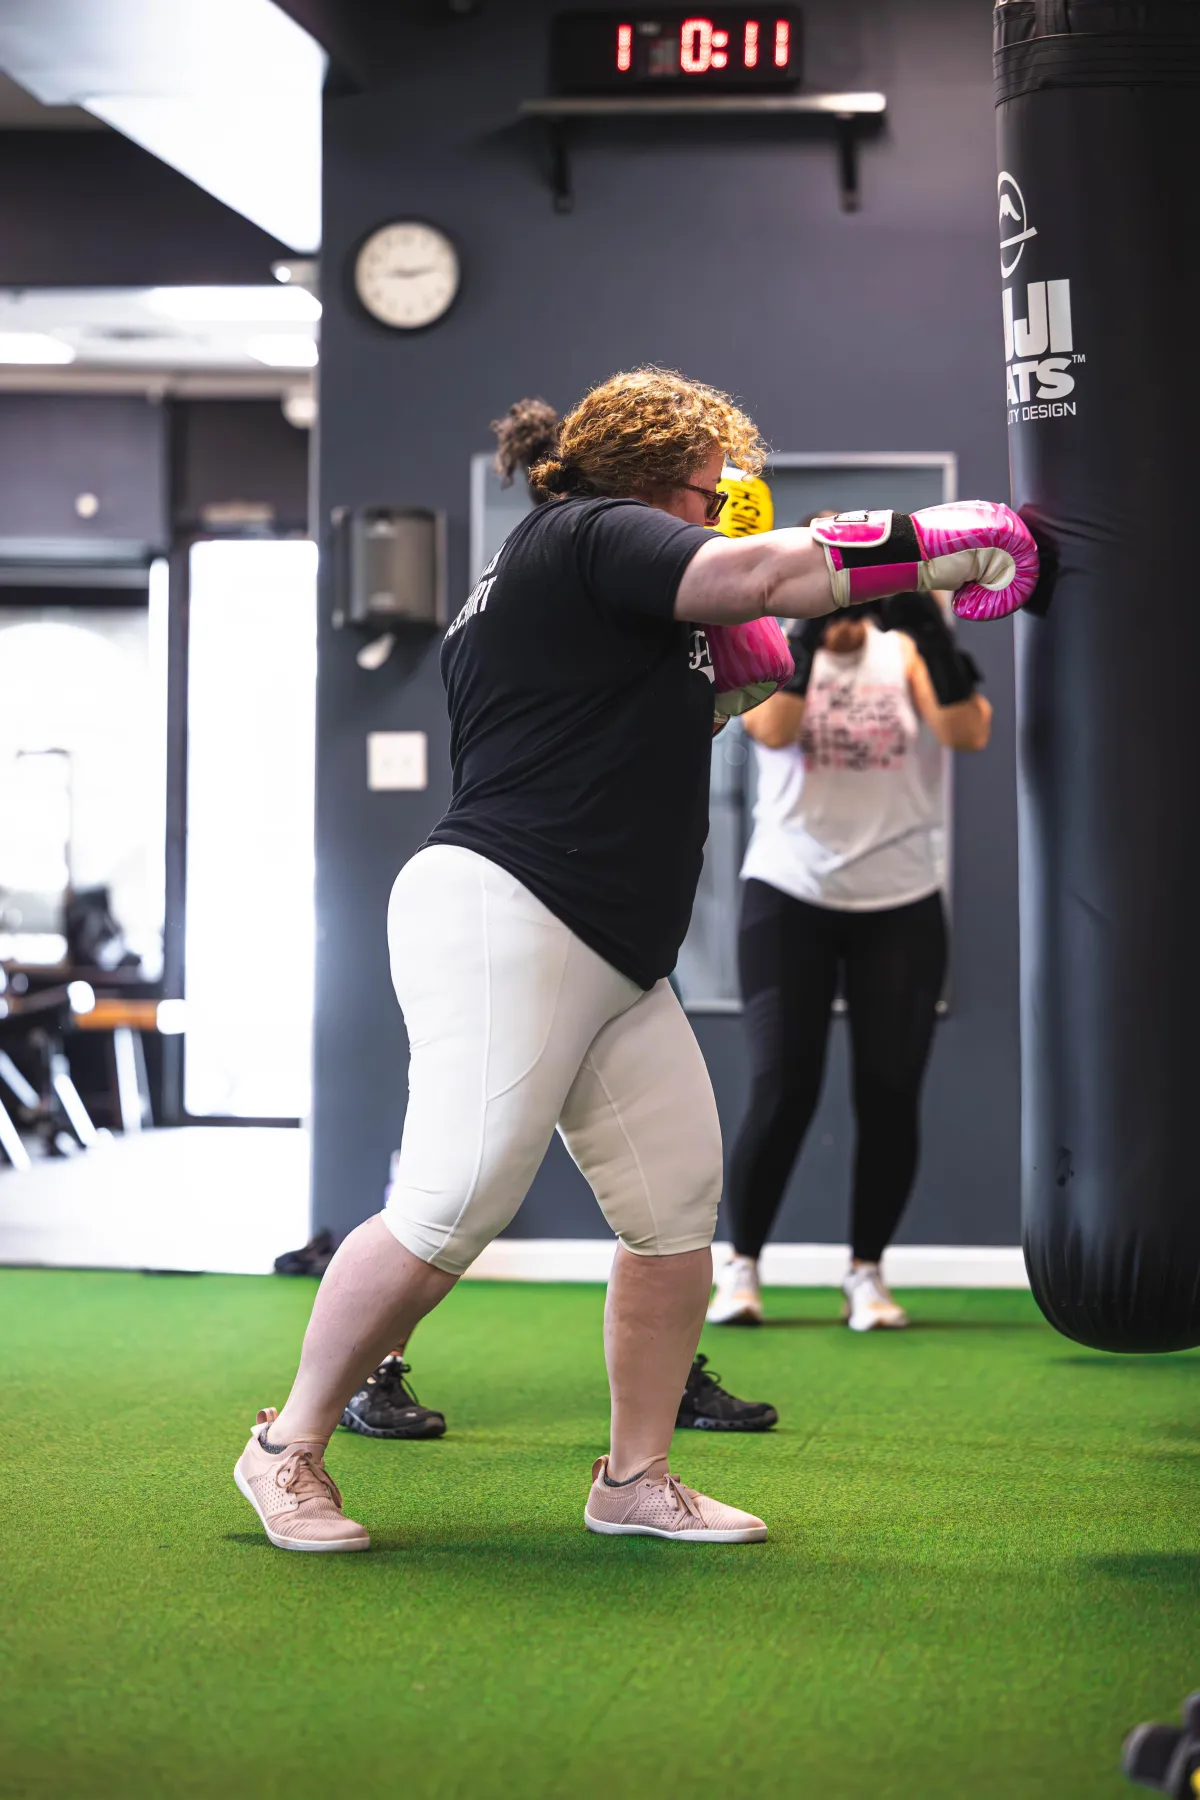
{"x":748,"y":509}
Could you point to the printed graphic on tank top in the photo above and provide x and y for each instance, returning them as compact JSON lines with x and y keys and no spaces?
{"x":581,"y":717}
{"x":852,"y":817}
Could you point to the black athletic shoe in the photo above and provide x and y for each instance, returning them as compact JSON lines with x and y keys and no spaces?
{"x":707,"y":1407}
{"x":386,"y":1407}
{"x":314,"y":1259}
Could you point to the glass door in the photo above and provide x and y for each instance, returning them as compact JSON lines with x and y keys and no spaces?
{"x":249,"y":930}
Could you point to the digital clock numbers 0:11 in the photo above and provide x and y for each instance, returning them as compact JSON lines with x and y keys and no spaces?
{"x":702,"y":45}
{"x":733,"y":48}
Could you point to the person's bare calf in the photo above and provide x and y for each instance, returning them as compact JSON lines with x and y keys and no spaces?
{"x":652,"y":1322}
{"x":373,"y":1294}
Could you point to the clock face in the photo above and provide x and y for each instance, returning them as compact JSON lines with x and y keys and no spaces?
{"x":407,"y":274}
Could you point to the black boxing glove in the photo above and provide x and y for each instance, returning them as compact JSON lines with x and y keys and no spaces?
{"x":805,"y":637}
{"x":953,"y":674}
{"x":803,"y":640}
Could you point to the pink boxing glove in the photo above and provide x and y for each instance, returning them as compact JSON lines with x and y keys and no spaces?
{"x":749,"y":663}
{"x":980,"y":548}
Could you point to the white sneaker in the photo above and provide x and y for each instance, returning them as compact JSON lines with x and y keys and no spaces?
{"x":869,"y":1304}
{"x":738,"y":1299}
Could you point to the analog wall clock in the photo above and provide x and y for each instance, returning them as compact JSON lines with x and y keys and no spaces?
{"x":407,"y":274}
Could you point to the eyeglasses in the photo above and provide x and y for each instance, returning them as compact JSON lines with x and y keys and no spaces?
{"x":714,"y":502}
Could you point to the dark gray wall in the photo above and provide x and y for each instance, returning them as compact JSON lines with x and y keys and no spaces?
{"x":226,"y":451}
{"x":55,"y":447}
{"x":154,"y":469}
{"x":721,"y":251}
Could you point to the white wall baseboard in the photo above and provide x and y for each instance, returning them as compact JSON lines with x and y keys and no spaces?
{"x":783,"y":1265}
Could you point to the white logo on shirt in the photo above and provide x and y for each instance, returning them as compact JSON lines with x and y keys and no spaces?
{"x":700,"y":656}
{"x":477,"y":599}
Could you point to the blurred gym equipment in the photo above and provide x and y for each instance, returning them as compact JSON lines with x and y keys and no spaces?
{"x":32,"y":1028}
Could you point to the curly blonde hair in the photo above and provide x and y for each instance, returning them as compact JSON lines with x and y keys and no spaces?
{"x":647,"y":428}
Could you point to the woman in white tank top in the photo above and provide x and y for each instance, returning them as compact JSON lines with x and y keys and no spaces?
{"x":843,"y":881}
{"x":849,"y":811}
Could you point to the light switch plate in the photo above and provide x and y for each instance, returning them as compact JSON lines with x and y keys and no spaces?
{"x":397,"y":761}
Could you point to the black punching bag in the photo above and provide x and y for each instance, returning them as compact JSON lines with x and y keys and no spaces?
{"x":1099,"y":129}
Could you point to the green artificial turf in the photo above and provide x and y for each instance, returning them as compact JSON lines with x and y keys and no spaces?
{"x":984,"y":1563}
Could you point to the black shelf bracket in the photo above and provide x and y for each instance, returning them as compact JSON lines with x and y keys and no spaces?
{"x":851,"y":116}
{"x":847,"y":155}
{"x":560,"y":167}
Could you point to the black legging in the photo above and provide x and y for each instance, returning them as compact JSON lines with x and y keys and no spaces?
{"x":789,"y":955}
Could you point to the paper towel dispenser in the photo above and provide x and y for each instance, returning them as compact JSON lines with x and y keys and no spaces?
{"x":390,"y":567}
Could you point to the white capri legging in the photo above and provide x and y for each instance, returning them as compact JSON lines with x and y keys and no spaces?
{"x":516,"y":1027}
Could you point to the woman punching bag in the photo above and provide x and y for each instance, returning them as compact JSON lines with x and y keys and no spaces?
{"x":1099,"y":129}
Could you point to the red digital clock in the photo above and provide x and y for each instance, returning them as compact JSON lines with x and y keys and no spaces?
{"x":734,"y":49}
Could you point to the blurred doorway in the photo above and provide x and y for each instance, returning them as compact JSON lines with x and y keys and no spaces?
{"x":82,"y":758}
{"x":243,"y":951}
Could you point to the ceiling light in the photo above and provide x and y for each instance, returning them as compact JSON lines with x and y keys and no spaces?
{"x":300,"y":408}
{"x":33,"y":347}
{"x":283,"y":350}
{"x":226,"y":91}
{"x":216,"y":305}
{"x":301,"y":271}
{"x":257,"y":151}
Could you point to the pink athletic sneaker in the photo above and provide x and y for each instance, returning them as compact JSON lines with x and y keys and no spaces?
{"x":659,"y":1506}
{"x":294,"y":1495}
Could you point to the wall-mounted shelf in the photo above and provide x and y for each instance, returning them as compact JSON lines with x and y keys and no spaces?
{"x":850,"y":115}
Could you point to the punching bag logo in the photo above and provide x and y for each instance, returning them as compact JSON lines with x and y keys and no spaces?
{"x":1015,"y":229}
{"x":1039,"y":343}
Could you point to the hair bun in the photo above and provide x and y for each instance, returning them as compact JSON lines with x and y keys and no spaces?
{"x":527,"y":434}
{"x":550,"y":476}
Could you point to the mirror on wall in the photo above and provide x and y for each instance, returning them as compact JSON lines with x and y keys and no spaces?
{"x":801,"y":484}
{"x":82,"y":768}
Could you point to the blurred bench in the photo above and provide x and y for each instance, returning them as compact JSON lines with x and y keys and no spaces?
{"x":126,"y":1019}
{"x":44,"y":1007}
{"x":32,"y":1027}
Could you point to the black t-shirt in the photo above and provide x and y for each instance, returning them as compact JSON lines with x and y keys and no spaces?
{"x":581,"y":720}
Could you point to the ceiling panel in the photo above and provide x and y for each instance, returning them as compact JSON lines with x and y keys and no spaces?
{"x":20,"y":111}
{"x":226,"y":91}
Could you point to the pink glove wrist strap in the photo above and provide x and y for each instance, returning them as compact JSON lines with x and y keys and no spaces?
{"x":877,"y":552}
{"x":877,"y":580}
